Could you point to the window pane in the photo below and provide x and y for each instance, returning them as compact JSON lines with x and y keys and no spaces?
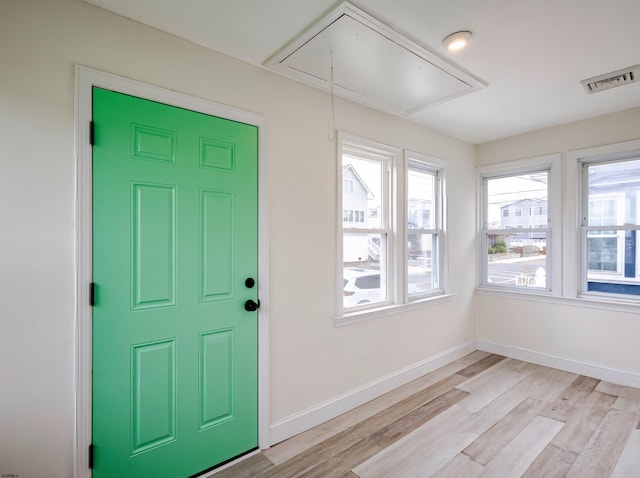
{"x":518,"y":202}
{"x":517,"y":261}
{"x":421,"y":200}
{"x":604,"y":211}
{"x":613,"y":199}
{"x":363,"y":197}
{"x":422,"y":263}
{"x":365,"y":275}
{"x":613,"y":191}
{"x":613,"y":265}
{"x":508,"y":197}
{"x":602,"y":252}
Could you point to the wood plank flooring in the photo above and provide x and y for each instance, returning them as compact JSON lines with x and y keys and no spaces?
{"x":481,"y":416}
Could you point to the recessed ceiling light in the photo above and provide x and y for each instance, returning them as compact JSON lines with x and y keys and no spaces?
{"x":457,"y":40}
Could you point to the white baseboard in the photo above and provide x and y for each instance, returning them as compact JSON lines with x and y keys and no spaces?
{"x":620,"y":377}
{"x":311,"y":417}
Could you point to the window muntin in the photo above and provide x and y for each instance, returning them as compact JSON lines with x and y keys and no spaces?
{"x":516,"y":247}
{"x":610,"y":230}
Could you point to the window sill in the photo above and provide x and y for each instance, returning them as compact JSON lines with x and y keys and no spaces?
{"x":516,"y":291}
{"x":590,"y":302}
{"x":369,"y":314}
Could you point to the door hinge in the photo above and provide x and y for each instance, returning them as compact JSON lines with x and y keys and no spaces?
{"x":92,"y":129}
{"x":92,"y":294}
{"x":91,"y":456}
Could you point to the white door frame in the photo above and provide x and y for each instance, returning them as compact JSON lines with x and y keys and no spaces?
{"x":86,"y":79}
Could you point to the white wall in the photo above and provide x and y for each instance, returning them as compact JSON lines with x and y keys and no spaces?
{"x":570,"y":333}
{"x":311,"y":360}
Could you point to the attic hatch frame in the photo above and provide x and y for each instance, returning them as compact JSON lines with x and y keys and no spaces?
{"x":278,"y":62}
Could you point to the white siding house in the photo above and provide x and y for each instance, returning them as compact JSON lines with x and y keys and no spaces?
{"x":526,"y":213}
{"x":355,"y":213}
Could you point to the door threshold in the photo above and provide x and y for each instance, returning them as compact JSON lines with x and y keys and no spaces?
{"x":227,"y":464}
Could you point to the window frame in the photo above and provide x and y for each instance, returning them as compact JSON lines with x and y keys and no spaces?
{"x":583,"y":163}
{"x":395,"y":206}
{"x":567,"y":207}
{"x":551,"y":163}
{"x":388,"y":157}
{"x":638,"y":241}
{"x":436,"y":167}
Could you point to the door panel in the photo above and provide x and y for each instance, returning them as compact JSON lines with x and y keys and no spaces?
{"x":217,"y":390}
{"x":216,"y":245}
{"x":153,"y":245}
{"x":174,"y":238}
{"x":153,"y":404}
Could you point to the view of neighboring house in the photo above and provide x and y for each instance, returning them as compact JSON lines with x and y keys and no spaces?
{"x":356,"y":214}
{"x":524,"y":214}
{"x":418,"y":217}
{"x":419,"y":213}
{"x":614,"y":200}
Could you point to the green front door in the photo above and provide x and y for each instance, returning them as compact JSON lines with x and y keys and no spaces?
{"x":174,"y":242}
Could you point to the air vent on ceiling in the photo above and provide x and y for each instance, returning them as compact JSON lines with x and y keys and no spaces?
{"x":611,"y":80}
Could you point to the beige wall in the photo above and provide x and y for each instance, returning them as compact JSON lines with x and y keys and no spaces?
{"x":563,"y":329}
{"x":607,"y":129}
{"x":579,"y":335}
{"x":311,"y":360}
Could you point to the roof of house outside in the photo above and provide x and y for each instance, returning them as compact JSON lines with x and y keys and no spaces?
{"x":348,"y":167}
{"x":526,"y":203}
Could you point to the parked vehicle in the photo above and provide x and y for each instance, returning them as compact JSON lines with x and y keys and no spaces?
{"x":361,"y":286}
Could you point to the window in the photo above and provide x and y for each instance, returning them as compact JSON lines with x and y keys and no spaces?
{"x":540,"y":211}
{"x":366,"y":243}
{"x":390,"y":235}
{"x":516,"y":250}
{"x":423,"y":227}
{"x":610,"y":225}
{"x":349,"y":215}
{"x":594,"y":253}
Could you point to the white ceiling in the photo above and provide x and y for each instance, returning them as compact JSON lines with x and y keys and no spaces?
{"x":531,"y":53}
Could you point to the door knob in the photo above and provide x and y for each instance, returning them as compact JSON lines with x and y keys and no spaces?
{"x":251,"y":306}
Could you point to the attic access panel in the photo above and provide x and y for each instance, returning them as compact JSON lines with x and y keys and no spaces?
{"x":372,"y":64}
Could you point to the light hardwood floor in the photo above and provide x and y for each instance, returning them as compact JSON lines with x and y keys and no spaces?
{"x":481,"y":416}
